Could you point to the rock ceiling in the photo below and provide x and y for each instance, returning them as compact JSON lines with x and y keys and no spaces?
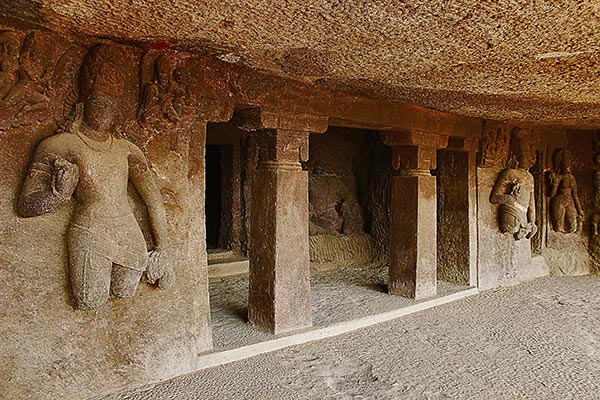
{"x":520,"y":60}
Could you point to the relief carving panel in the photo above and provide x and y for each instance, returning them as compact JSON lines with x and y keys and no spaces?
{"x":495,"y":145}
{"x":566,"y":212}
{"x":514,"y":189}
{"x":88,"y":161}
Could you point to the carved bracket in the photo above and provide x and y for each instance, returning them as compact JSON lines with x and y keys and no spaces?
{"x":281,"y":136}
{"x":469,"y":145}
{"x":414,"y":151}
{"x":177,"y":86}
{"x":282,"y":147}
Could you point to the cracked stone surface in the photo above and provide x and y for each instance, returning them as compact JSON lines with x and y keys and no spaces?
{"x":509,"y":60}
{"x":539,"y":340}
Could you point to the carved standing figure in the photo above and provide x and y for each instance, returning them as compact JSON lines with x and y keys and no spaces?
{"x":10,"y":45}
{"x":23,"y":80}
{"x":565,"y":208}
{"x":514,"y":190}
{"x":106,"y":248}
{"x":164,"y":97}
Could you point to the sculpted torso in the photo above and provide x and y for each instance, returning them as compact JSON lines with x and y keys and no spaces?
{"x":106,"y":248}
{"x":102,"y":175}
{"x":514,"y":191}
{"x":565,"y":208}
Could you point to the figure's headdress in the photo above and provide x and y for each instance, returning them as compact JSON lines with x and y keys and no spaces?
{"x":103,"y":70}
{"x":562,"y":158}
{"x":520,"y":141}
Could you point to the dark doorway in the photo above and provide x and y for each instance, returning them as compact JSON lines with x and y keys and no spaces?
{"x":213,"y":195}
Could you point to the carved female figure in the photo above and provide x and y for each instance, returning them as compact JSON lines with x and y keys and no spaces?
{"x":565,"y":208}
{"x":514,"y":190}
{"x":106,"y":248}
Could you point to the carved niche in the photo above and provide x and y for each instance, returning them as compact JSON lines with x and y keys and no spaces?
{"x":283,"y":148}
{"x":565,"y":209}
{"x":86,"y":160}
{"x":514,"y":188}
{"x":24,"y":77}
{"x":495,"y":145}
{"x":166,"y":97}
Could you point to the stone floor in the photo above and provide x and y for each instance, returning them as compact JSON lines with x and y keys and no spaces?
{"x":538,"y":340}
{"x":338,"y":295}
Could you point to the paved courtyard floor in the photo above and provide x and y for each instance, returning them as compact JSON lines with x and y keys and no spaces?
{"x":537,"y":340}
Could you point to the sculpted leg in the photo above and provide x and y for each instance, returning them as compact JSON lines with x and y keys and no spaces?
{"x":89,"y":269}
{"x":124,"y":281}
{"x":570,"y":220}
{"x":508,"y":223}
{"x":557,"y":213}
{"x":90,"y":278}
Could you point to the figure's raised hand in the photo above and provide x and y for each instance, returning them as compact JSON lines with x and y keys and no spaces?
{"x":64,"y":178}
{"x":532,"y":230}
{"x":516,"y":189}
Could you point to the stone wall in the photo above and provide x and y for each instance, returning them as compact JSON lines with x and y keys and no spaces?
{"x":503,"y":259}
{"x":333,"y":207}
{"x":374,"y":180}
{"x":338,"y":235}
{"x":453,"y":216}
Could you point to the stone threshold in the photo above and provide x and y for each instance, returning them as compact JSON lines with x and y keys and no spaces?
{"x":224,"y":263}
{"x":210,"y":360}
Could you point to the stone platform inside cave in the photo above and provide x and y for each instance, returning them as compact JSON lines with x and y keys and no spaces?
{"x":338,"y":295}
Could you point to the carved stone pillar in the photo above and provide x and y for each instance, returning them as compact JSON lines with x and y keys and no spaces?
{"x":191,"y":132}
{"x":196,"y":240}
{"x":279,"y":298}
{"x":413,"y":225}
{"x":471,"y":146}
{"x":457,"y":211}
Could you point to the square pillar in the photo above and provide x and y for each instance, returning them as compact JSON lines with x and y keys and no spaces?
{"x":472,"y":147}
{"x":457,"y":212}
{"x":195,"y":131}
{"x":279,"y":298}
{"x":413,"y":225}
